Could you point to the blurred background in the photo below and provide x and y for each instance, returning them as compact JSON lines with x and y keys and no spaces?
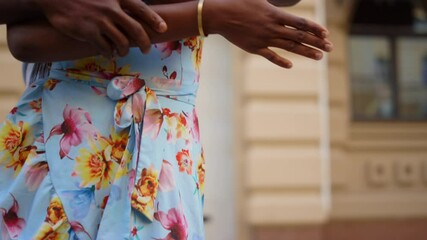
{"x":330,"y":150}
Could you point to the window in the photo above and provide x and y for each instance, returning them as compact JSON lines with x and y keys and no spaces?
{"x":388,"y":60}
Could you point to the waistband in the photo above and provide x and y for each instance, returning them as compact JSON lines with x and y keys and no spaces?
{"x":98,"y":80}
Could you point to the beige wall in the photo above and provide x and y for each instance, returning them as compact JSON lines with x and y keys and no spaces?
{"x":283,"y":144}
{"x":378,"y":170}
{"x":11,"y":84}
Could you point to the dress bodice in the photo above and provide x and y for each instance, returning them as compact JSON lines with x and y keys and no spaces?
{"x":170,"y":68}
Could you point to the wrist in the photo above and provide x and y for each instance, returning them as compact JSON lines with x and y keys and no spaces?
{"x":34,"y":4}
{"x":210,"y":17}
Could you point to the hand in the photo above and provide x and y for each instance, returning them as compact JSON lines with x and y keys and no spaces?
{"x":256,"y":25}
{"x":104,"y":24}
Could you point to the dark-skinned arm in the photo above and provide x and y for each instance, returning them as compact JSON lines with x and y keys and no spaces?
{"x":38,"y":41}
{"x":103,"y":24}
{"x":18,"y":10}
{"x":253,"y":25}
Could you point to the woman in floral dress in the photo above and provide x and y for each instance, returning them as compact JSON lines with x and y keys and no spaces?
{"x":109,"y":148}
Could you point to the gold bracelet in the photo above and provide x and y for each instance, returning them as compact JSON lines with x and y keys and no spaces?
{"x":199,"y":17}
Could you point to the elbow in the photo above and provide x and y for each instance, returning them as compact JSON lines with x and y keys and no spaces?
{"x":19,"y":43}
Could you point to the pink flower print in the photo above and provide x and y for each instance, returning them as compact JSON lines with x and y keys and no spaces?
{"x":76,"y":126}
{"x":14,"y":224}
{"x":134,"y":231}
{"x":168,"y":47}
{"x":35,"y":175}
{"x":14,"y":110}
{"x":166,"y":180}
{"x":78,"y":227}
{"x":175,"y":222}
{"x":153,"y":120}
{"x":127,"y":85}
{"x":195,"y":129}
{"x":131,"y":184}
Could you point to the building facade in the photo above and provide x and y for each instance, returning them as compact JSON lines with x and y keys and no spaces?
{"x":302,"y":166}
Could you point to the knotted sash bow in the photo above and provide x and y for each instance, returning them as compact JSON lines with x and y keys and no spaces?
{"x":138,"y":108}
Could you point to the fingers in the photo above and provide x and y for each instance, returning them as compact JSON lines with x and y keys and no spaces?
{"x":297,"y":48}
{"x":301,"y":23}
{"x":300,"y":36}
{"x":102,"y":45}
{"x":274,"y":58}
{"x":143,"y":12}
{"x":117,"y":38}
{"x":134,"y":31}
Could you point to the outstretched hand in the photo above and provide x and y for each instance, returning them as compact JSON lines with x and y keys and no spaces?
{"x":257,"y":25}
{"x":104,"y":24}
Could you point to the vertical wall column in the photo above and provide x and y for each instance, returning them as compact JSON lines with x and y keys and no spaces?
{"x":11,"y":82}
{"x":284,"y":137}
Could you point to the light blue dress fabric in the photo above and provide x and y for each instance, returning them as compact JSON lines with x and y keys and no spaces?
{"x":106,"y":149}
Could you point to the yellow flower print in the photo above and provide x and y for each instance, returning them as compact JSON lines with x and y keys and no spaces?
{"x":197,"y":56}
{"x":51,"y":84}
{"x":177,"y":126}
{"x":86,"y":68}
{"x":123,"y":168}
{"x":145,"y":191}
{"x":56,"y":224}
{"x":15,"y":140}
{"x":94,"y":165}
{"x":201,"y":172}
{"x":151,"y":96}
{"x":118,"y":142}
{"x":119,"y":110}
{"x":55,"y":212}
{"x":195,"y":44}
{"x":21,"y":156}
{"x":119,"y":153}
{"x":92,"y":64}
{"x":48,"y":232}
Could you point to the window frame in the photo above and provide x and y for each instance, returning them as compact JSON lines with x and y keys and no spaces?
{"x":392,"y":34}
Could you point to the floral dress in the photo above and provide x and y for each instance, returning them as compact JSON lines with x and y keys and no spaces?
{"x":106,"y":149}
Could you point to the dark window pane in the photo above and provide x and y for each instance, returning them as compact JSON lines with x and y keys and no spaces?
{"x":412,"y":77}
{"x":371,"y":81}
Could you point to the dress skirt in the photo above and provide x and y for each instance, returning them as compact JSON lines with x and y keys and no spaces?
{"x":106,"y":149}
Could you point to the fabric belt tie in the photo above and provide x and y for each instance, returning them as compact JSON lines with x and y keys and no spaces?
{"x":138,"y":107}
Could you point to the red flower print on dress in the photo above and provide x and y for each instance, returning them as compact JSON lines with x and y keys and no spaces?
{"x":184,"y":161}
{"x":51,"y":84}
{"x":191,"y":43}
{"x":13,"y":224}
{"x":168,"y":47}
{"x":76,"y":126}
{"x":175,"y":222}
{"x":36,"y":105}
{"x":13,"y":110}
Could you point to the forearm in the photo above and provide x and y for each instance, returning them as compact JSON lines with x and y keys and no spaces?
{"x":40,"y":42}
{"x":18,"y":10}
{"x":181,"y":19}
{"x":252,"y":25}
